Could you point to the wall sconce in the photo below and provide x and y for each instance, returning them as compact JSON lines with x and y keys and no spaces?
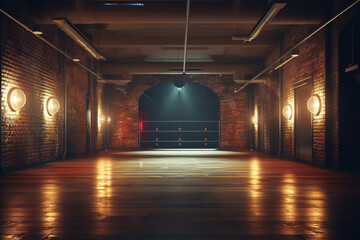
{"x":109,"y":119}
{"x":314,"y":104}
{"x":101,"y":119}
{"x":16,"y":99}
{"x":254,"y":120}
{"x":287,"y":111}
{"x":52,"y":106}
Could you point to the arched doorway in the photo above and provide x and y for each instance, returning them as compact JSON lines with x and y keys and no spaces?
{"x":179,"y":117}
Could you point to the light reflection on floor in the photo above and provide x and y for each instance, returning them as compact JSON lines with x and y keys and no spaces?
{"x":190,"y":194}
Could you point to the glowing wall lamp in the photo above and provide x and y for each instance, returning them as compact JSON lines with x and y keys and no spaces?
{"x":314,"y":104}
{"x":52,"y":106}
{"x":101,"y":119}
{"x":287,"y":111}
{"x":254,"y":120}
{"x":16,"y":99}
{"x":109,"y":119}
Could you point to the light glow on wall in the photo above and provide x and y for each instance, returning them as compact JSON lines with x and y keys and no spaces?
{"x":314,"y":104}
{"x":101,"y":119}
{"x":287,"y":111}
{"x":254,"y":119}
{"x":52,"y":106}
{"x":16,"y":99}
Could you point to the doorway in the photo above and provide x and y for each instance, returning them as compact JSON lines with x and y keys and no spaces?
{"x":349,"y":97}
{"x":173,"y":117}
{"x":303,"y":123}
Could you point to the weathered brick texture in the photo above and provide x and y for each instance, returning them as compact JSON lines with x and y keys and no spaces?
{"x":30,"y":135}
{"x":233,"y":109}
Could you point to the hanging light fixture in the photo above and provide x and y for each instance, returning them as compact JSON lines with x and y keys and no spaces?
{"x":314,"y":104}
{"x":52,"y":106}
{"x":287,"y":111}
{"x":179,"y":84}
{"x":16,"y":99}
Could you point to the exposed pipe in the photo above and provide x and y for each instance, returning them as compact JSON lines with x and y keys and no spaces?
{"x":54,"y":46}
{"x":65,"y":25}
{"x":65,"y":106}
{"x":186,"y":33}
{"x":296,"y":45}
{"x":264,"y":20}
{"x":280,"y":105}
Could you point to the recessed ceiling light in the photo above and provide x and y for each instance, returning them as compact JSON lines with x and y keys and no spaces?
{"x":76,"y":60}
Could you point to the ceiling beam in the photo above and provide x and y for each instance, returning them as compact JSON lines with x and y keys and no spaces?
{"x":249,"y":13}
{"x":125,"y":70}
{"x":113,"y":39}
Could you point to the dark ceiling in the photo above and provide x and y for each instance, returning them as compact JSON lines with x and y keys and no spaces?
{"x":149,"y":35}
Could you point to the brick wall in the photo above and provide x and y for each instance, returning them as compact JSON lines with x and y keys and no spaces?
{"x":233,"y":107}
{"x":309,"y":65}
{"x":30,"y":135}
{"x":100,"y":109}
{"x":266,"y":99}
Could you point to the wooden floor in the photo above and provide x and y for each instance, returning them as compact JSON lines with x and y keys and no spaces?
{"x":178,"y":195}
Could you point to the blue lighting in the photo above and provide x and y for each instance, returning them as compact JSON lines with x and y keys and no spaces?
{"x":179,"y":89}
{"x":136,"y":4}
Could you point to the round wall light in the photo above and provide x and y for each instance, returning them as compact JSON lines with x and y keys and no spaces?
{"x":16,"y":99}
{"x":287,"y":111}
{"x":314,"y":104}
{"x":52,"y":106}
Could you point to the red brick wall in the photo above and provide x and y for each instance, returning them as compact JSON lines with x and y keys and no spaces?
{"x":100,"y":109}
{"x":266,"y":95}
{"x":234,"y":109}
{"x":78,"y":86}
{"x":30,"y":135}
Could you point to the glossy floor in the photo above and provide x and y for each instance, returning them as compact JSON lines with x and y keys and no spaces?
{"x":178,"y":195}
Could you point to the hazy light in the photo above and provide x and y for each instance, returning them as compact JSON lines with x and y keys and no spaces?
{"x":314,"y":104}
{"x":101,"y":118}
{"x":254,"y":120}
{"x":16,"y":99}
{"x":52,"y":106}
{"x":179,"y":89}
{"x":183,"y":152}
{"x":287,"y":111}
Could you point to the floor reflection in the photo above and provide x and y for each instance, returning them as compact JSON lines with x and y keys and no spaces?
{"x":113,"y":196}
{"x":104,"y":169}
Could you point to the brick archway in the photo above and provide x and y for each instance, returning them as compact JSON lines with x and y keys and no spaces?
{"x":123,"y":131}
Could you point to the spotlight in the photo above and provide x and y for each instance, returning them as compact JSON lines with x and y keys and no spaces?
{"x":179,"y":84}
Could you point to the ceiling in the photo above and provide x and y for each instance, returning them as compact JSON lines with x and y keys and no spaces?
{"x":148,"y":36}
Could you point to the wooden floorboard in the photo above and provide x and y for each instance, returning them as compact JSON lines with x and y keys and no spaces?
{"x":179,"y":195}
